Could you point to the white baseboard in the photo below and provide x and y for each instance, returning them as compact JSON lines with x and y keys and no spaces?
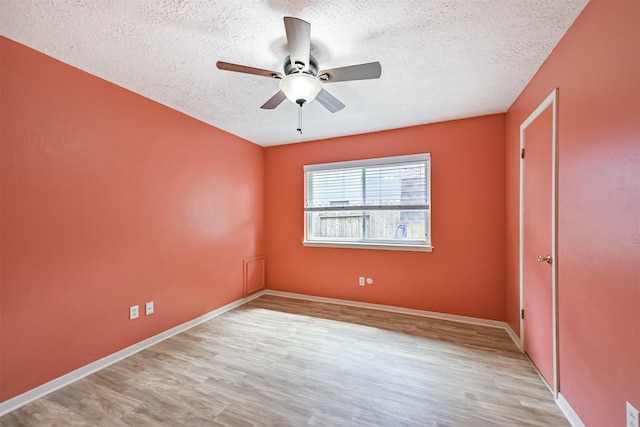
{"x":53,"y":385}
{"x":400,"y":310}
{"x":516,"y":339}
{"x":568,"y":412}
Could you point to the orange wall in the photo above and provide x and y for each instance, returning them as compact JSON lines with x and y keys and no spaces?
{"x":110,"y":200}
{"x":463,"y":275}
{"x":596,"y":68}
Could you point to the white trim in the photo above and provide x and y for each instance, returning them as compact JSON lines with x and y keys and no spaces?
{"x":360,"y":168}
{"x":568,"y":412}
{"x":411,"y":158}
{"x":73,"y":376}
{"x":380,"y":246}
{"x":393,"y":309}
{"x":551,"y":100}
{"x":514,"y":336}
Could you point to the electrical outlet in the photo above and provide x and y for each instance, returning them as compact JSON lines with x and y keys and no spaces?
{"x":369,"y":281}
{"x":361,"y":281}
{"x":133,"y":312}
{"x":148,"y":308}
{"x":632,"y":416}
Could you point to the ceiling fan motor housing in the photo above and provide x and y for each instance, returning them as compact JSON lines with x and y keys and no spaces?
{"x":295,"y":68}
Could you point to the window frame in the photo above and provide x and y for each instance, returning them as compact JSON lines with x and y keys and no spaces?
{"x":364,"y":243}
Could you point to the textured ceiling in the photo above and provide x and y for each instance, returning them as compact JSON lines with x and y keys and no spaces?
{"x":441,"y":59}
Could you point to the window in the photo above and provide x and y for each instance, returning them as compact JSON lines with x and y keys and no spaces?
{"x":376,"y":203}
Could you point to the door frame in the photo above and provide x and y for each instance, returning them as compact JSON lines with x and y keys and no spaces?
{"x":551,"y":100}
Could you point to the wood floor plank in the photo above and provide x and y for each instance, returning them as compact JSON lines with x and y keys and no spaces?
{"x":286,"y":362}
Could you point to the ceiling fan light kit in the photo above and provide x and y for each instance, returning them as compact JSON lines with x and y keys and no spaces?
{"x":302,"y":80}
{"x":300,"y":88}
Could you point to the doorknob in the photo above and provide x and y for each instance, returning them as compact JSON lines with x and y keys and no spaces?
{"x":546,"y":259}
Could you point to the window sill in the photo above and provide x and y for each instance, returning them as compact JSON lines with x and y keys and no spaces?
{"x":378,"y":246}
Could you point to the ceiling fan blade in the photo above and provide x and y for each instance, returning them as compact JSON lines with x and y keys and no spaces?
{"x":299,"y":40}
{"x":247,"y":70}
{"x":329,"y":101}
{"x":274,"y":101}
{"x":370,"y":70}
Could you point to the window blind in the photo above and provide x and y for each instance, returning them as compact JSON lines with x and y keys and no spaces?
{"x":396,"y":183}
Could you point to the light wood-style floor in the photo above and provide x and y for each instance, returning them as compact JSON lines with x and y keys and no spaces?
{"x":285,"y":362}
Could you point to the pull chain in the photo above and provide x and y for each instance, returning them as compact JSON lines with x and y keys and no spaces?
{"x":300,"y":119}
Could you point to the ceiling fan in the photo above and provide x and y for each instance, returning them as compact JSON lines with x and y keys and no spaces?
{"x":302,"y":80}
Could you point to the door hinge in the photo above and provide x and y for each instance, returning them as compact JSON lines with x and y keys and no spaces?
{"x":522,"y":153}
{"x":522,"y":314}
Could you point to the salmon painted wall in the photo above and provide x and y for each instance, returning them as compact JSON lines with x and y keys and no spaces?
{"x":596,"y":68}
{"x":463,"y":275}
{"x":110,"y":200}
